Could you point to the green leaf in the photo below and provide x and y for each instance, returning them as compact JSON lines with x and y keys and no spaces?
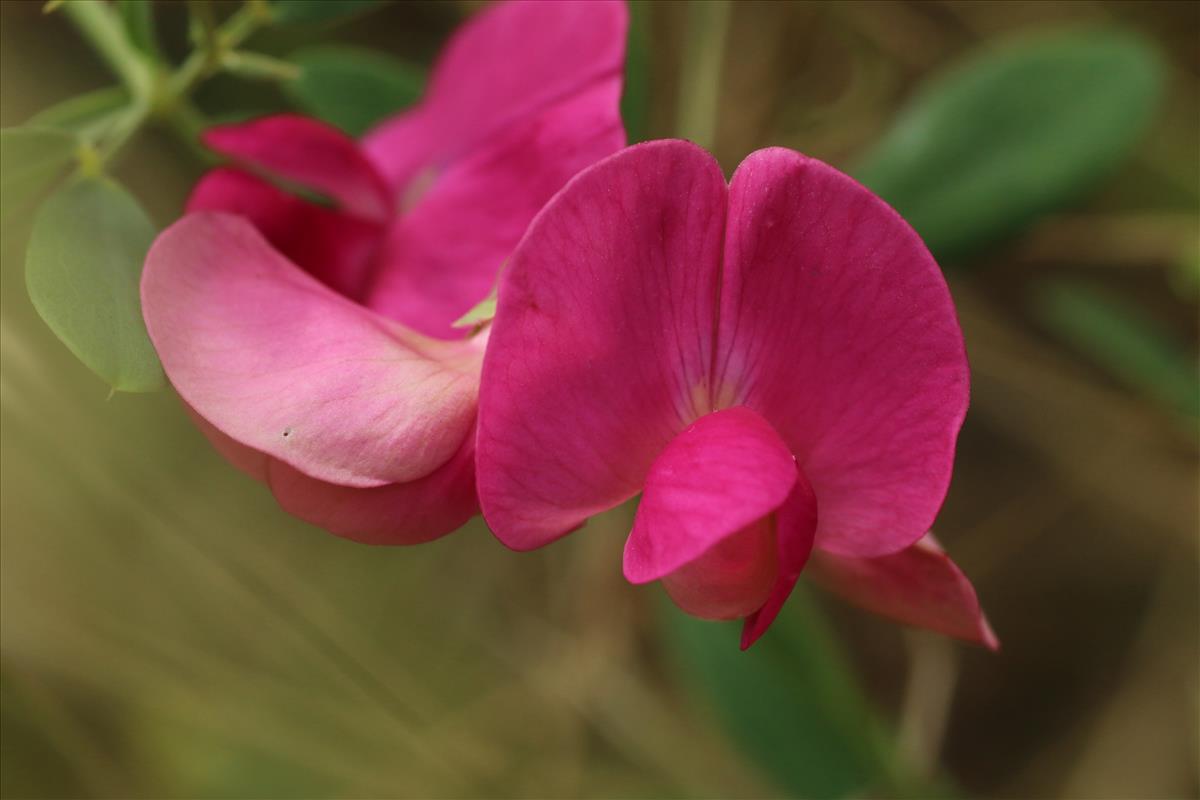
{"x":1015,"y":132}
{"x":790,"y":701}
{"x":82,"y":269}
{"x":82,"y":113}
{"x":353,"y":88}
{"x":314,"y":11}
{"x":1122,"y":339}
{"x":32,"y":159}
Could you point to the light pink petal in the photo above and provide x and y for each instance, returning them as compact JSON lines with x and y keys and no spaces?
{"x":836,"y":325}
{"x":444,"y":256}
{"x":395,"y":514}
{"x":728,"y":470}
{"x":281,"y":364}
{"x":918,"y":586}
{"x":334,"y":247}
{"x":602,"y":340}
{"x":796,"y":527}
{"x":310,"y":153}
{"x":510,"y":61}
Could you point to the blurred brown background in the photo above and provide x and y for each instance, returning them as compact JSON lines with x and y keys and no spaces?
{"x":167,"y":631}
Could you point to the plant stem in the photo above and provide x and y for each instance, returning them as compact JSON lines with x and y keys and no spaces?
{"x":206,"y":60}
{"x":156,"y":92}
{"x":703,"y":54}
{"x":98,"y":23}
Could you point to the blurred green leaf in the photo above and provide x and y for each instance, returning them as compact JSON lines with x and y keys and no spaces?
{"x":1013,"y":133}
{"x":353,"y":88}
{"x":82,"y":269}
{"x":32,"y":159}
{"x":312,"y":11}
{"x":1123,"y":339}
{"x":80,"y":113}
{"x":635,"y":98}
{"x":790,"y":701}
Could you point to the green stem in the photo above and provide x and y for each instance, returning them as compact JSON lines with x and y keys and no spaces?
{"x":256,"y":66}
{"x":98,"y":23}
{"x":703,"y":54}
{"x":157,"y":94}
{"x":205,"y":61}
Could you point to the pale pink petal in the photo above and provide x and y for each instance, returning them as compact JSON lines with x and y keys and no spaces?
{"x":602,"y":341}
{"x":836,"y":325}
{"x":796,"y":527}
{"x":726,"y":471}
{"x":444,"y":256}
{"x":395,"y":514}
{"x":510,"y":61}
{"x":282,"y":364}
{"x":310,"y":153}
{"x":918,"y":586}
{"x":334,"y":247}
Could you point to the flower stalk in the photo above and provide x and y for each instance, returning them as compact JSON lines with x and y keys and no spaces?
{"x":158,"y":92}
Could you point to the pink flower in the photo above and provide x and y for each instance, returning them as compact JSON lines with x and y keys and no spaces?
{"x":314,"y":344}
{"x":774,"y":363}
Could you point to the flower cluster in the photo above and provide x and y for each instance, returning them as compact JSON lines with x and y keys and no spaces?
{"x":774,"y":363}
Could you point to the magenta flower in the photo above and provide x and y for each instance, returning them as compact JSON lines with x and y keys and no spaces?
{"x":774,"y":363}
{"x":315,"y":344}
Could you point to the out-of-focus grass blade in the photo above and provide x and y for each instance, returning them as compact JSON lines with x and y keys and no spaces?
{"x":353,"y":88}
{"x":635,"y":97}
{"x":82,"y":269}
{"x":790,"y":701}
{"x":137,"y":17}
{"x":1123,"y":339}
{"x":1013,"y":133}
{"x":32,"y":158}
{"x":313,"y":11}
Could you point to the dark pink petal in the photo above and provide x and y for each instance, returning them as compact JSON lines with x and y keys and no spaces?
{"x":281,"y":364}
{"x":510,"y":61}
{"x":408,"y":149}
{"x":918,"y":586}
{"x":836,"y":325}
{"x":602,"y":341}
{"x":310,"y":153}
{"x":727,"y":471}
{"x":395,"y":514}
{"x":796,"y":527}
{"x":732,"y":578}
{"x":334,"y":247}
{"x":444,"y":256}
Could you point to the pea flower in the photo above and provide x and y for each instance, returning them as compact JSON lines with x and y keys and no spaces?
{"x":774,"y":363}
{"x":314,"y":344}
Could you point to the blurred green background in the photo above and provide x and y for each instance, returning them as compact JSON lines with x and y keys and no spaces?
{"x":168,"y":632}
